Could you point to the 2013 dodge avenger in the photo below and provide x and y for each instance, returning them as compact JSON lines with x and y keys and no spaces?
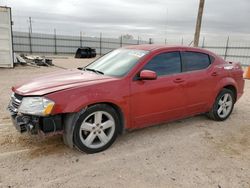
{"x":128,"y":88}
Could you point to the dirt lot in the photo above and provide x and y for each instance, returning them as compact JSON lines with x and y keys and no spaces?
{"x":194,"y":152}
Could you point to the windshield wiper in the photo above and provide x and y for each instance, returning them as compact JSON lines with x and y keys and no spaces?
{"x":93,"y":70}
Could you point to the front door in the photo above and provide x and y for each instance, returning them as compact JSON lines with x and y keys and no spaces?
{"x":163,"y":99}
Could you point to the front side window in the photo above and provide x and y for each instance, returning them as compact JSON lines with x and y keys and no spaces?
{"x":165,"y":64}
{"x":195,"y":61}
{"x":118,"y":62}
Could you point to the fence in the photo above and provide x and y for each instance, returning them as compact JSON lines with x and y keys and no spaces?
{"x":37,"y":43}
{"x":230,"y":49}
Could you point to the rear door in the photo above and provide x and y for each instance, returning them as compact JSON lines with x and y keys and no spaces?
{"x":201,"y":80}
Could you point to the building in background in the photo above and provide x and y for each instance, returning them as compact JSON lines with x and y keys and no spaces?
{"x":6,"y":49}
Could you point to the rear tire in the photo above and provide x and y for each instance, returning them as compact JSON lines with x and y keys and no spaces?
{"x":96,"y":129}
{"x":223,"y":105}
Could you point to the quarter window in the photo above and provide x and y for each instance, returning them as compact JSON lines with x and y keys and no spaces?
{"x":165,"y":63}
{"x":195,"y":61}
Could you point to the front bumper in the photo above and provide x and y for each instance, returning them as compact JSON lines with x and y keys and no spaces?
{"x":20,"y":125}
{"x":30,"y":123}
{"x":35,"y":124}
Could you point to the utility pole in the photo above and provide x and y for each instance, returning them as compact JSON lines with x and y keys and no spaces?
{"x":100,"y":43}
{"x":198,"y":23}
{"x":30,"y":32}
{"x":55,"y":41}
{"x":81,"y":39}
{"x":30,"y":28}
{"x":166,"y":24}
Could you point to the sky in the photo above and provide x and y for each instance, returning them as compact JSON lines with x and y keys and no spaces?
{"x":156,"y":19}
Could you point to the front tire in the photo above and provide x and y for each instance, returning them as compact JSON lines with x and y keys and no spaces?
{"x":223,"y":105}
{"x":96,"y":129}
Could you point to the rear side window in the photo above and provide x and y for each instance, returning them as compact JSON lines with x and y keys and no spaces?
{"x":195,"y":61}
{"x":165,"y":63}
{"x":212,"y":59}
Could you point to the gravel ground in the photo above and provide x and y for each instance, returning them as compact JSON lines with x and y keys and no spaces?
{"x":194,"y":152}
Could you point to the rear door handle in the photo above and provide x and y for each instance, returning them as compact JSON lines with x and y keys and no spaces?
{"x":178,"y":80}
{"x":214,"y":74}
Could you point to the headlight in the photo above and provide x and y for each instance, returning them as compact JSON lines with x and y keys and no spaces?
{"x":39,"y":106}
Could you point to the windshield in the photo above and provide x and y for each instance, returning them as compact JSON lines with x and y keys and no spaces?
{"x":118,"y":62}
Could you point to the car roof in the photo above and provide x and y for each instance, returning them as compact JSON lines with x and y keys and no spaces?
{"x":154,"y":47}
{"x":150,"y":47}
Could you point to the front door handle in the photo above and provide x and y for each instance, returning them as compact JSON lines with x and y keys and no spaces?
{"x":214,"y":74}
{"x":178,"y":80}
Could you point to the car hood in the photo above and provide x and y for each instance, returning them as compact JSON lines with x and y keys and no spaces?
{"x":57,"y":81}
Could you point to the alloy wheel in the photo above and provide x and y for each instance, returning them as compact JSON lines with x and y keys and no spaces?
{"x":225,"y":105}
{"x":97,"y":129}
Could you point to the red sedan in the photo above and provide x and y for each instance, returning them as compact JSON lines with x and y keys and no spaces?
{"x":128,"y":88}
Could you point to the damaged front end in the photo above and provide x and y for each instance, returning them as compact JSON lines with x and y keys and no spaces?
{"x":32,"y":123}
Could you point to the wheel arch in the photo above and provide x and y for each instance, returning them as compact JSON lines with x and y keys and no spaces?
{"x":228,"y":83}
{"x":118,"y":111}
{"x":71,"y":118}
{"x":233,"y":89}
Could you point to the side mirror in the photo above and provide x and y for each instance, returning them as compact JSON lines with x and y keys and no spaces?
{"x":148,"y":75}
